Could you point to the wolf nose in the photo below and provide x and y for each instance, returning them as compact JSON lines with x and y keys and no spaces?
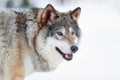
{"x":74,"y":49}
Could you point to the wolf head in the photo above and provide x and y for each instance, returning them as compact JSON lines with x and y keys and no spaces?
{"x":59,"y":34}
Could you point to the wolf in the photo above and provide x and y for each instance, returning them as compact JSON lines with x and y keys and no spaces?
{"x":36,"y":40}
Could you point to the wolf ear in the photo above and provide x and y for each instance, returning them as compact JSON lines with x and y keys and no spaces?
{"x":49,"y":15}
{"x":75,"y":14}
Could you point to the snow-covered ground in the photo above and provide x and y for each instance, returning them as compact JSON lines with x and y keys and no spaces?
{"x":99,"y":55}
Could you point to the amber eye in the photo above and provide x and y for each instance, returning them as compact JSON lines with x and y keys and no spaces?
{"x":72,"y":33}
{"x":60,"y":33}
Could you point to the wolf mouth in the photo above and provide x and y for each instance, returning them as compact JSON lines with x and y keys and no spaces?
{"x":64,"y":55}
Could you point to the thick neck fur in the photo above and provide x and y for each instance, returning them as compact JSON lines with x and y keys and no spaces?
{"x":33,"y":60}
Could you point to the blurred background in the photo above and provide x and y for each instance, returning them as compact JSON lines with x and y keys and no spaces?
{"x":98,"y":57}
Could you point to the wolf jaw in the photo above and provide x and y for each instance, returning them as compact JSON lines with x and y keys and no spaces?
{"x":65,"y":56}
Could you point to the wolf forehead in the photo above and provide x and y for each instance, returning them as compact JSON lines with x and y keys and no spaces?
{"x":66,"y":23}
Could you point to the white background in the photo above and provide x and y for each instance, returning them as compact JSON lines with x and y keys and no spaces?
{"x":98,"y":57}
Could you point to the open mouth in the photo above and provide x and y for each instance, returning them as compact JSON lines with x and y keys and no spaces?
{"x":65,"y":56}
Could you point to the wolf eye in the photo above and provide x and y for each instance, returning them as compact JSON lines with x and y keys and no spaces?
{"x":72,"y":33}
{"x":60,"y":33}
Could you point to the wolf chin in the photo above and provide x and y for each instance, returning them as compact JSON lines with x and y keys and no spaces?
{"x":36,"y":40}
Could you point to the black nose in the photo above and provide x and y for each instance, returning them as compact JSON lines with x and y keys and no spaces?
{"x":74,"y":49}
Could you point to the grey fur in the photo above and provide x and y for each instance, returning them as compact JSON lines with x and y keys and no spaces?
{"x":66,"y":22}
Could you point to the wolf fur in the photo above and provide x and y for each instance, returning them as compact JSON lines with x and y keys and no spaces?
{"x":27,"y":42}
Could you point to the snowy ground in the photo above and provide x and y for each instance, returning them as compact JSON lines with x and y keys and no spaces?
{"x":99,"y":54}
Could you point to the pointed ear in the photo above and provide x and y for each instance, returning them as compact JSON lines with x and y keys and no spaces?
{"x":75,"y":14}
{"x":48,"y":16}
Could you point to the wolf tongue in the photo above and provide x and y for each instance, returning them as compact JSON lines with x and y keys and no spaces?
{"x":69,"y":55}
